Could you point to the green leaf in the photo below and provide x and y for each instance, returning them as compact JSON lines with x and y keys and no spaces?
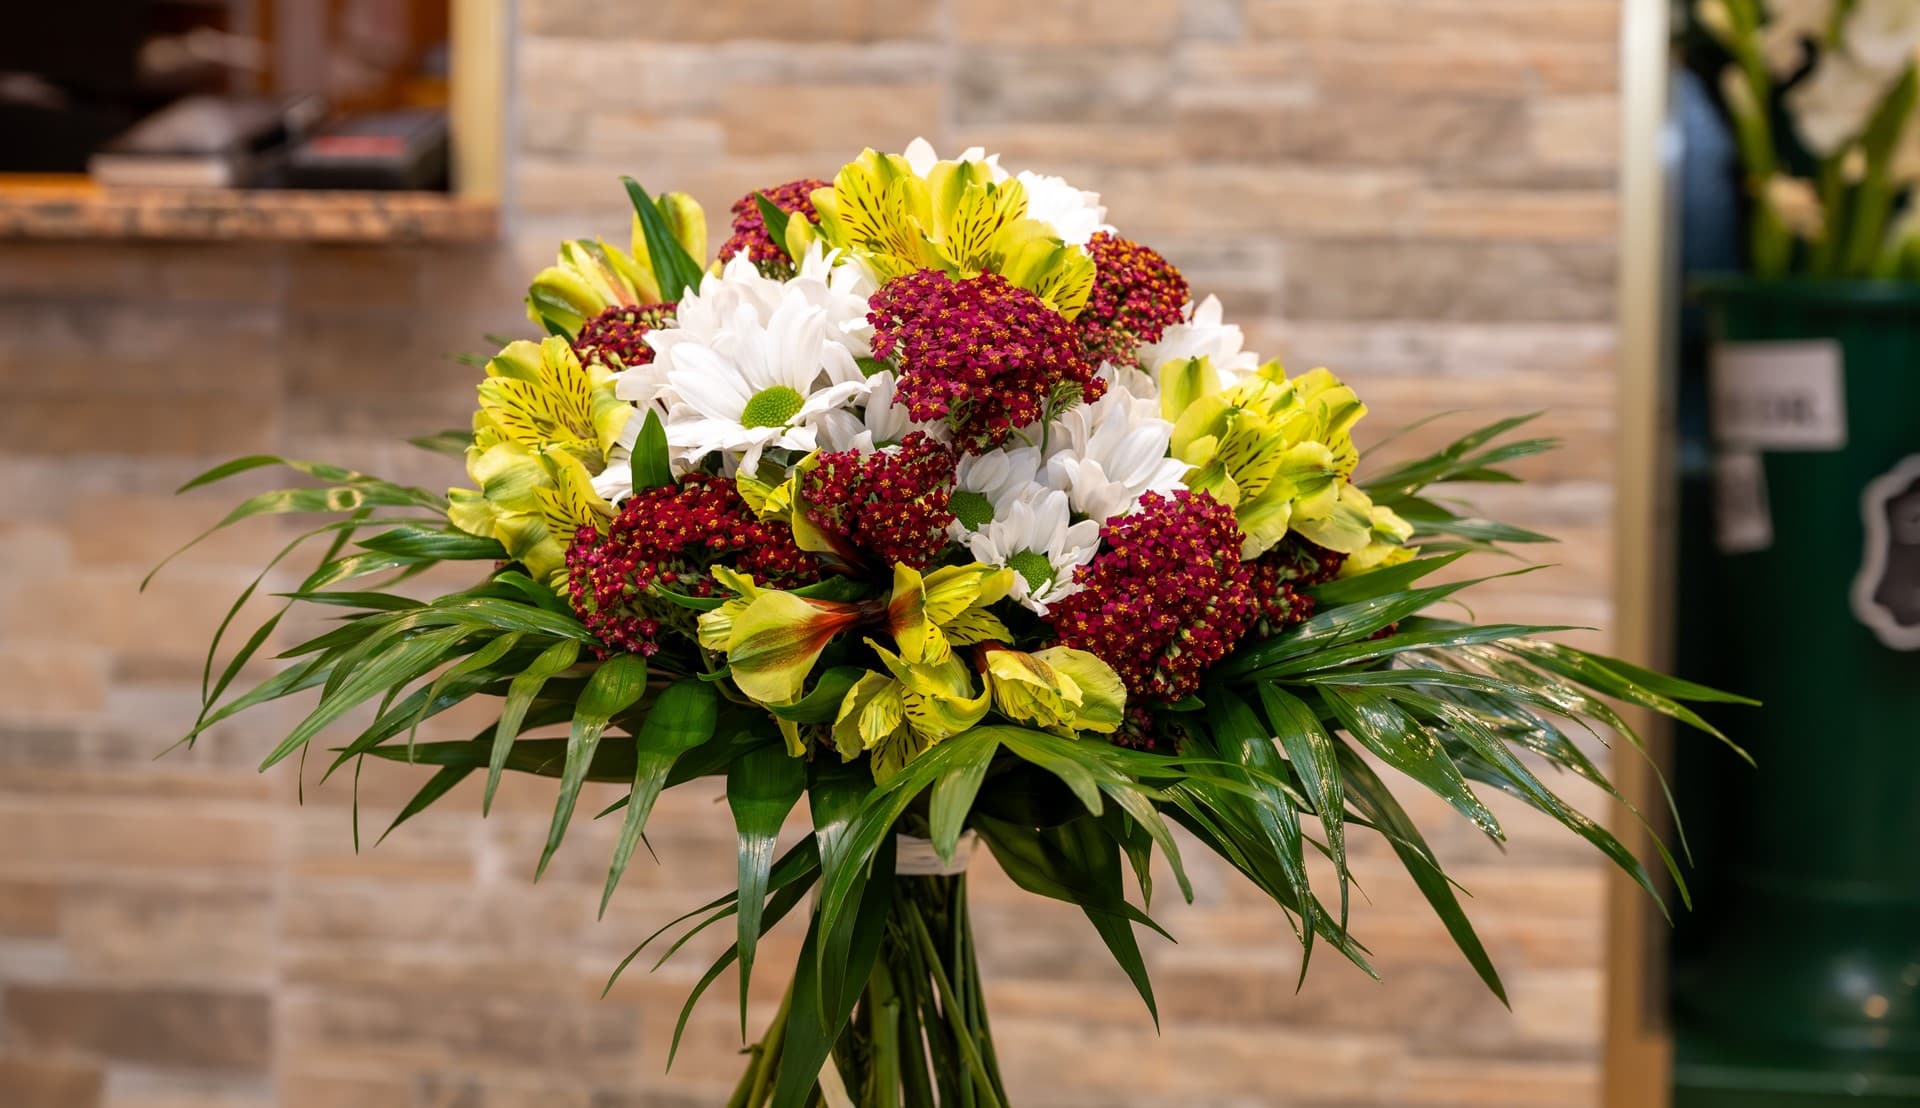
{"x":953,"y":796}
{"x":836,"y":792}
{"x":476,"y":662}
{"x":1345,"y":624}
{"x":672,"y":267}
{"x":651,"y":468}
{"x":1315,"y":758}
{"x":762,"y":787}
{"x":1377,"y":803}
{"x":452,"y":443}
{"x":1244,"y":740}
{"x":812,"y":1028}
{"x":1421,"y":639}
{"x":1078,"y":854}
{"x":437,"y":786}
{"x":1512,"y":775}
{"x":406,"y":661}
{"x":872,"y":829}
{"x":1379,"y":582}
{"x":513,"y":711}
{"x":1036,"y":864}
{"x":776,"y":221}
{"x":1403,"y":743}
{"x":778,"y":906}
{"x":614,"y":687}
{"x":436,"y":544}
{"x":820,"y":705}
{"x":683,"y":718}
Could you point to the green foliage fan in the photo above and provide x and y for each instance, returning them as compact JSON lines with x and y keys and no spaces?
{"x":1284,"y":736}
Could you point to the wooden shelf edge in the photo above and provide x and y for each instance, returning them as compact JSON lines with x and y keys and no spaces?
{"x":84,"y":211}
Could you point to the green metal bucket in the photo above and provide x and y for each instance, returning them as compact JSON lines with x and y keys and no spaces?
{"x":1815,"y":941}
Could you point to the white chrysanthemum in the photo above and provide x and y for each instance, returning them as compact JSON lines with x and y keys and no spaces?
{"x":879,"y":423}
{"x":750,"y":383}
{"x":706,"y":317}
{"x":1203,"y":335}
{"x":1074,"y":214}
{"x":986,"y":487}
{"x":1035,"y":540}
{"x":1105,"y":456}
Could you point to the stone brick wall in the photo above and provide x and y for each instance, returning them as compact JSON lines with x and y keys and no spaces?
{"x":1416,"y":192}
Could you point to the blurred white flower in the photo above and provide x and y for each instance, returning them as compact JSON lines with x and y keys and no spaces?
{"x":1797,"y":203}
{"x":1074,"y":214}
{"x":1832,"y":106}
{"x":1882,"y":35}
{"x":1790,"y":26}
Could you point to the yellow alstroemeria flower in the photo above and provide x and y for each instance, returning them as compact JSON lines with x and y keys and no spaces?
{"x":897,"y":718}
{"x":1278,"y":451}
{"x":930,"y":615}
{"x":532,"y":503}
{"x":543,"y":430}
{"x":956,"y":219}
{"x":591,"y":276}
{"x":1387,"y":548}
{"x":1059,"y":689}
{"x":772,"y":639}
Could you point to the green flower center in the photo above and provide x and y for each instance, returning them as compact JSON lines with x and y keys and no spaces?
{"x":972,"y":509}
{"x":772,"y":407}
{"x":1033,"y":566}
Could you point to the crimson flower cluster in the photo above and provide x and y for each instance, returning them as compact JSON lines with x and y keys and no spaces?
{"x":750,"y":235}
{"x":1137,"y":295}
{"x":617,"y":337}
{"x":669,"y":537}
{"x":1167,"y":597}
{"x":893,"y":503}
{"x":981,"y":354}
{"x":1281,"y":577}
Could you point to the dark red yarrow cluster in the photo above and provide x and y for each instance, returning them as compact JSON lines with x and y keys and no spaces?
{"x":892,"y":503}
{"x":1137,"y":295}
{"x":750,"y":235}
{"x":981,"y":354}
{"x":669,"y":537}
{"x":1167,"y":597}
{"x":1281,"y":577}
{"x":616,"y":337}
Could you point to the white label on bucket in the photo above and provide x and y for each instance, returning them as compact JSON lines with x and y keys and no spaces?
{"x":1779,"y":395}
{"x":1743,"y":520}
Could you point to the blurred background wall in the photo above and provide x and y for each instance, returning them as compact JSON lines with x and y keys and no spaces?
{"x":1418,"y":193}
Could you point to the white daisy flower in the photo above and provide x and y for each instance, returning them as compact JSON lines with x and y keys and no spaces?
{"x":1202,"y":335}
{"x":881,"y":423}
{"x":752,"y":384}
{"x":1106,"y":455}
{"x":1074,"y":214}
{"x":1035,"y":540}
{"x":987,"y":486}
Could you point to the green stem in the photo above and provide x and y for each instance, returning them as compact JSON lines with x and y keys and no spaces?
{"x":762,"y":1087}
{"x":951,"y":1003}
{"x":1873,"y":204}
{"x":738,"y":1099}
{"x":1833,"y":201}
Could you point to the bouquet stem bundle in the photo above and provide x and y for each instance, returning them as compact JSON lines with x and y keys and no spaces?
{"x":919,"y":1035}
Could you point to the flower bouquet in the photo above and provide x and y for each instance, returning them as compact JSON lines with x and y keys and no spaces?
{"x":935,"y":502}
{"x":1828,"y":187}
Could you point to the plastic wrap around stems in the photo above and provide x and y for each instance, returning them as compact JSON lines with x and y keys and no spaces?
{"x":919,"y":1037}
